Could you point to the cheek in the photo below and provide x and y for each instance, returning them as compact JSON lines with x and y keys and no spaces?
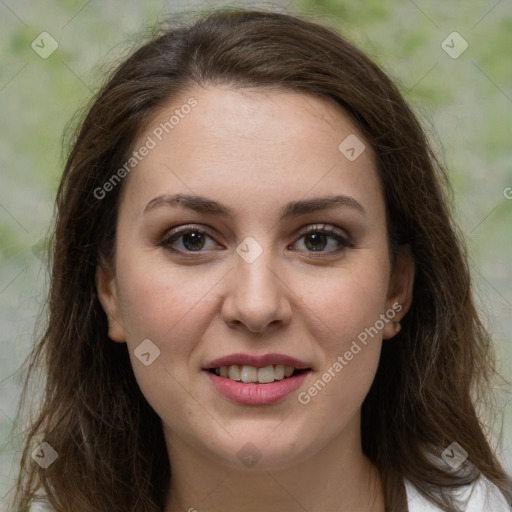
{"x":164,"y":304}
{"x":168,"y":307}
{"x":347,"y":326}
{"x":350,"y":302}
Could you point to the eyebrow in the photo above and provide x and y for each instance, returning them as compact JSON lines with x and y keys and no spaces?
{"x":202,"y":204}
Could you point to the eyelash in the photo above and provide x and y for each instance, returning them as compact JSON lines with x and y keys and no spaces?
{"x":343,"y":242}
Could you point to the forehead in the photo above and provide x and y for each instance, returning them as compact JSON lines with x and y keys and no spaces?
{"x":260,"y":144}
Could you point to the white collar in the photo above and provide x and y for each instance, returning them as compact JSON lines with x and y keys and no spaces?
{"x":481,"y":496}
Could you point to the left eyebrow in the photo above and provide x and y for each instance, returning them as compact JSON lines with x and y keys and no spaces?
{"x":202,"y":204}
{"x":296,"y":208}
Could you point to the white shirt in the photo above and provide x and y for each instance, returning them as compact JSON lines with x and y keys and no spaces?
{"x":481,"y":496}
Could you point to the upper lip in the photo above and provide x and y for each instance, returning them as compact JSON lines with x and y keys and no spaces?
{"x":257,"y":361}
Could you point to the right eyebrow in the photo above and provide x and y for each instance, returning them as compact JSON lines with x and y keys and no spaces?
{"x":202,"y":204}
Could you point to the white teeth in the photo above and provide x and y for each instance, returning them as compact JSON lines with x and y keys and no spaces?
{"x":288,"y":370}
{"x":279,"y":372}
{"x":234,"y":372}
{"x":266,"y":374}
{"x":247,"y":374}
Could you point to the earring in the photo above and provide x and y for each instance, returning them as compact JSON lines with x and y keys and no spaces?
{"x":398,"y":327}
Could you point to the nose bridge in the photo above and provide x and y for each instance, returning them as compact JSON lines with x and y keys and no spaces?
{"x":256,"y":296}
{"x":256,"y":274}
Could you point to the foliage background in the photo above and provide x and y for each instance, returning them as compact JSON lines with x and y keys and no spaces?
{"x":466,"y":105}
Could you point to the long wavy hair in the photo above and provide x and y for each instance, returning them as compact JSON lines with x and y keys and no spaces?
{"x":431,"y":380}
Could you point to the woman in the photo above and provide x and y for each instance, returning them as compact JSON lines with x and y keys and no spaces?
{"x":259,"y":300}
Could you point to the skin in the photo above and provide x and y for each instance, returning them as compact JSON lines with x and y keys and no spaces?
{"x":255,"y":151}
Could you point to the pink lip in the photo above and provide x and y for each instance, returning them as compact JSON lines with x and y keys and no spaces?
{"x":257,"y":361}
{"x":253,"y":393}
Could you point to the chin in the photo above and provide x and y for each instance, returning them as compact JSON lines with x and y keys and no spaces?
{"x":259,"y":453}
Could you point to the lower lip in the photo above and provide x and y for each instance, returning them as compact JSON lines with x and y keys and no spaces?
{"x":257,"y":394}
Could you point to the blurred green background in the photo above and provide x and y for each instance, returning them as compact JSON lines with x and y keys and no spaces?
{"x":465,"y":104}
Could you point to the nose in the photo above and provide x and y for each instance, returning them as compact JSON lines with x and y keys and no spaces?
{"x":257,"y":297}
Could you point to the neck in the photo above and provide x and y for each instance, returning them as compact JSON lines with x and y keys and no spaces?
{"x":338,"y":477}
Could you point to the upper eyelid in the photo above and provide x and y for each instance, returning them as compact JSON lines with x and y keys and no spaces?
{"x":184,"y":229}
{"x":320,"y":227}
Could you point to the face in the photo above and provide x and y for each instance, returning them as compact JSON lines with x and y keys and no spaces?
{"x":275,"y":253}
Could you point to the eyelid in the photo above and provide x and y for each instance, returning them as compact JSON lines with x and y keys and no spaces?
{"x":340,"y":235}
{"x":342,"y":238}
{"x":326,"y":228}
{"x":182,"y":230}
{"x":186,"y":228}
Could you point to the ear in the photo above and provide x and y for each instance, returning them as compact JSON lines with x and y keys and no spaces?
{"x":106,"y":288}
{"x":400,"y":289}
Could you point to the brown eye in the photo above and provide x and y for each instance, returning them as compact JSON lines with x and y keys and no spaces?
{"x":188,"y":240}
{"x":324,"y":240}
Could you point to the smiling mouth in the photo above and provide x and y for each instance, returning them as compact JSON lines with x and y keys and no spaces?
{"x":264,"y":375}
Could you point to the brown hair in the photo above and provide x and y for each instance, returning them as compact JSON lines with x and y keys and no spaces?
{"x":110,"y":444}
